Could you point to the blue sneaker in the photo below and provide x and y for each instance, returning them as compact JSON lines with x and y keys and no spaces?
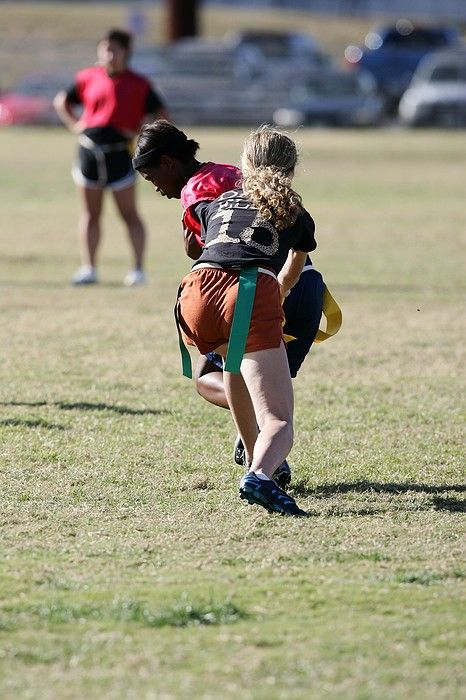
{"x":266,"y":493}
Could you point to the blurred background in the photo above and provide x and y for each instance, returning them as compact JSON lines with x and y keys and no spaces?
{"x":335,"y":63}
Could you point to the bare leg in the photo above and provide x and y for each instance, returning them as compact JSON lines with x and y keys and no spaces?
{"x":209,"y":382}
{"x":126,"y":204}
{"x":89,"y":224}
{"x":242,"y":409}
{"x":268,"y":383}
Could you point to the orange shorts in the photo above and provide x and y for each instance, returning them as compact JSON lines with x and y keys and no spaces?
{"x":206,"y":306}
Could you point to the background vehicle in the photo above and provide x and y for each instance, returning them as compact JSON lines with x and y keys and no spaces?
{"x":332,"y":98}
{"x":437,"y":93}
{"x":280,"y":53}
{"x":391,"y":54}
{"x":210,"y":82}
{"x":31,"y":102}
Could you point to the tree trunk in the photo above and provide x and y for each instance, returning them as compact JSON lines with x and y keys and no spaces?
{"x":182,"y":18}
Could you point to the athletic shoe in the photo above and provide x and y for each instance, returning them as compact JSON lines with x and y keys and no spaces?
{"x":86,"y":274}
{"x":282,"y":475}
{"x":134,"y":277}
{"x":266,"y":493}
{"x":239,"y":454}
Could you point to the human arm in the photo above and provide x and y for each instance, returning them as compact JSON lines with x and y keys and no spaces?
{"x":192,"y":229}
{"x":192,"y":247}
{"x":65,"y":110}
{"x":291,"y":270}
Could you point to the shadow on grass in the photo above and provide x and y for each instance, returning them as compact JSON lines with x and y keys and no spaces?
{"x":437,"y":502}
{"x":451,"y":504}
{"x":58,"y":284}
{"x":89,"y":406}
{"x":395,"y":288}
{"x":123,"y":410}
{"x":328,"y":490}
{"x":30,"y":423}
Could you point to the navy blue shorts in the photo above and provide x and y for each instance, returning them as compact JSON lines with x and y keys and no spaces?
{"x":303,"y":310}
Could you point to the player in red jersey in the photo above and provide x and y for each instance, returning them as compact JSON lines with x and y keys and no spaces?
{"x":166,"y":157}
{"x":115,"y":102}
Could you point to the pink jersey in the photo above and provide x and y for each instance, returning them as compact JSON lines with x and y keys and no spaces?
{"x":207,"y":183}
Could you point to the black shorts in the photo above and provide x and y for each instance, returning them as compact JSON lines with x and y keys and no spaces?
{"x":102,"y":165}
{"x":303,"y":311}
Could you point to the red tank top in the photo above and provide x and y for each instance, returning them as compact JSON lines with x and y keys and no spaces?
{"x":117,"y":101}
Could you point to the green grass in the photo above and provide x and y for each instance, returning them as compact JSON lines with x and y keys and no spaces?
{"x":129,"y":568}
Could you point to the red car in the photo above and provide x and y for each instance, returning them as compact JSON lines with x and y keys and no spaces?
{"x":31,"y":102}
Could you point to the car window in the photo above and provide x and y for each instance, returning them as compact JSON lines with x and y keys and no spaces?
{"x":328,"y":85}
{"x":448,"y":73}
{"x":273,"y":46}
{"x":418,"y":38}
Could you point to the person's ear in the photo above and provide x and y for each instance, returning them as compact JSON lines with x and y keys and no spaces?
{"x":167,"y":162}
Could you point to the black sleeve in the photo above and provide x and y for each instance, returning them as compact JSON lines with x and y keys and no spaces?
{"x":200,"y":209}
{"x":72,"y":95}
{"x":305,"y":240}
{"x":153,"y":102}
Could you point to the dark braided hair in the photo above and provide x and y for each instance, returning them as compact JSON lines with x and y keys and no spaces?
{"x":162,"y":138}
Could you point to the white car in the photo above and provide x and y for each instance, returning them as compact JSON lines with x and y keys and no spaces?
{"x":331,"y":97}
{"x":436,"y":95}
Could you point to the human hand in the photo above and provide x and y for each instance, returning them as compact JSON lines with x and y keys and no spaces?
{"x":78,"y":127}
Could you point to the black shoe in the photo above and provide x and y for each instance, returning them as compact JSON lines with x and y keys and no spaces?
{"x":266,"y":493}
{"x":282,"y":475}
{"x":239,"y":454}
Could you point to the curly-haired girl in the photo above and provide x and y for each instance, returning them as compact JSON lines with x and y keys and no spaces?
{"x":255,"y":237}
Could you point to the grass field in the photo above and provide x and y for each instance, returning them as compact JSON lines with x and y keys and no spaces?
{"x":129,"y":568}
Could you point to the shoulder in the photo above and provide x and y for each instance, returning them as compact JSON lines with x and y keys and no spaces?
{"x":137,"y":79}
{"x":305,"y":219}
{"x":90,"y":72}
{"x":210,"y":181}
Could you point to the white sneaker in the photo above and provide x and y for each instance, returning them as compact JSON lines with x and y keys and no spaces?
{"x":86,"y":274}
{"x":134,"y":277}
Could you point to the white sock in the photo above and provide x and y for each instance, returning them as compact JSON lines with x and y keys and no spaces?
{"x":262,"y":476}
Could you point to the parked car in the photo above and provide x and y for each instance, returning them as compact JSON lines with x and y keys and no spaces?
{"x":31,"y":102}
{"x":208,"y":82}
{"x":281,"y":53}
{"x":392,"y":53}
{"x":332,"y":98}
{"x":437,"y":93}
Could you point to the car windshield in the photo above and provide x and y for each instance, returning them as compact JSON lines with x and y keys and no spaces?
{"x":449,"y":72}
{"x":198,"y":65}
{"x":417,"y":39}
{"x":328,"y":85}
{"x":273,"y":46}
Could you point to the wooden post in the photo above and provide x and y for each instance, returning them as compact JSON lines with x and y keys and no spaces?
{"x":182,"y":18}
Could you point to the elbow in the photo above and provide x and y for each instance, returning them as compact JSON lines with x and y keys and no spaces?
{"x":59,"y":101}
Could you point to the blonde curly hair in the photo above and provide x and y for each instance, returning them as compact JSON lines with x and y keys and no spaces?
{"x":268,"y":161}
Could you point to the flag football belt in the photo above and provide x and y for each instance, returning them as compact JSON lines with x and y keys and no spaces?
{"x":100,"y":152}
{"x":247,"y":282}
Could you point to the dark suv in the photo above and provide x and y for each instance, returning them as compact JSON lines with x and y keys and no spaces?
{"x":392,"y":54}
